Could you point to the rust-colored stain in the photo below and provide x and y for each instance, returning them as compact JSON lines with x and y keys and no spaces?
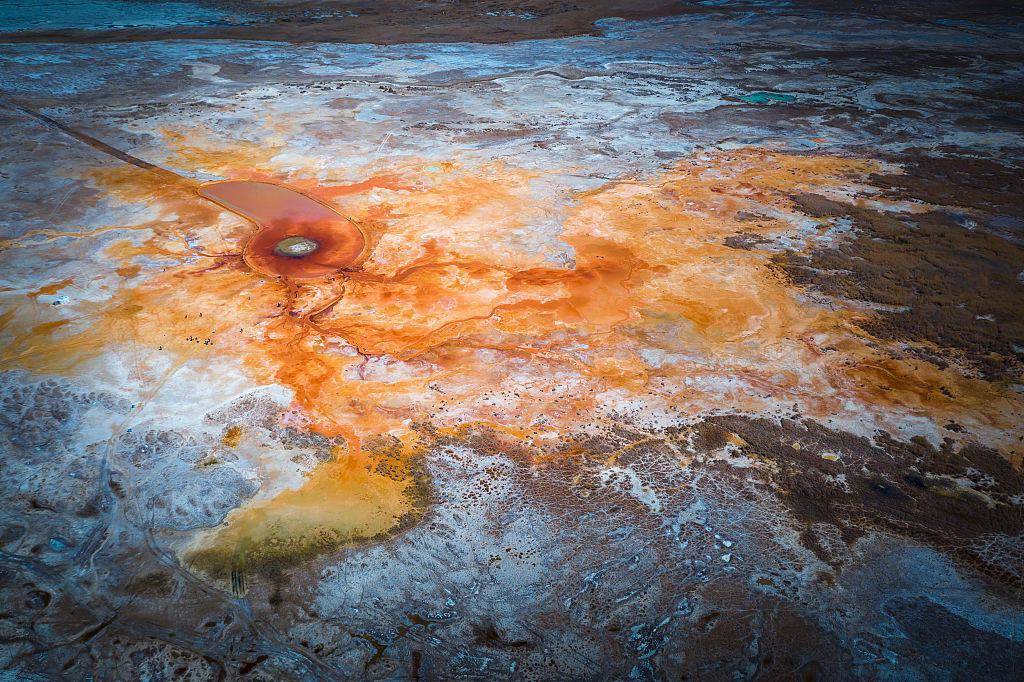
{"x":232,"y":436}
{"x":51,"y":289}
{"x":455,"y":315}
{"x":280,"y":214}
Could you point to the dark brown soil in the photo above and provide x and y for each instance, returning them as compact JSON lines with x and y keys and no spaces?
{"x":909,"y":488}
{"x":756,"y":631}
{"x":745,"y":241}
{"x":964,"y":649}
{"x":388,"y":22}
{"x":961,"y":181}
{"x":955,"y":286}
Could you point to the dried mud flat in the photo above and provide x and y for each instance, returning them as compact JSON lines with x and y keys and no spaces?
{"x":686,"y":344}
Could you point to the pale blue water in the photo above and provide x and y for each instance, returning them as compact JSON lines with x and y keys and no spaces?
{"x":42,"y":15}
{"x":763,"y":97}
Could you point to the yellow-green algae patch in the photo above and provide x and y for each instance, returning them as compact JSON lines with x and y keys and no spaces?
{"x":351,"y":498}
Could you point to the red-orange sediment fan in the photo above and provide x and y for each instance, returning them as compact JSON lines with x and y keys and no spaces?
{"x":319,"y":240}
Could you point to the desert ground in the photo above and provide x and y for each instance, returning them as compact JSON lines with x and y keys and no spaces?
{"x":485,"y":340}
